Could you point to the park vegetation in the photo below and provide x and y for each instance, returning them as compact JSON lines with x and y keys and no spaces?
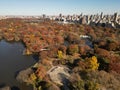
{"x":94,"y":62}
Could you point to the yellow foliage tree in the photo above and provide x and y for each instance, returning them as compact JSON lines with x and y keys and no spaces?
{"x":91,"y":63}
{"x":27,"y":52}
{"x":60,"y":54}
{"x":34,"y":82}
{"x":33,"y":77}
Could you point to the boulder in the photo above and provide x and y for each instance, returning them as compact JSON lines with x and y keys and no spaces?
{"x":59,"y":74}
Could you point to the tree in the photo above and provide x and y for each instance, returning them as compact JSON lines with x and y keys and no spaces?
{"x":91,"y":63}
{"x":72,"y":49}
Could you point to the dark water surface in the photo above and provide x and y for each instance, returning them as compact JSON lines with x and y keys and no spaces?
{"x":11,"y":61}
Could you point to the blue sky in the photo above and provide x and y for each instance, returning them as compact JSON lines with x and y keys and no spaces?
{"x":54,"y":7}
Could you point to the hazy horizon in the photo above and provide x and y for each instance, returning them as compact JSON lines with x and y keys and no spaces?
{"x":54,"y":7}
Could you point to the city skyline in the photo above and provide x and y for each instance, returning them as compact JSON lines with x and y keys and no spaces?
{"x":54,"y":7}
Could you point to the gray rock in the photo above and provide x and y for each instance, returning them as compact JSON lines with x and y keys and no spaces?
{"x":59,"y":74}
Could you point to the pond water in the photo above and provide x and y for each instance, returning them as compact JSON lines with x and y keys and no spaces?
{"x":12,"y":61}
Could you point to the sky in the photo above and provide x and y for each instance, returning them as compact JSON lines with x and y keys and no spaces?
{"x":55,"y":7}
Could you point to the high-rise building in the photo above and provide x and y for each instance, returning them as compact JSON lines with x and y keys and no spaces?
{"x":115,"y":17}
{"x":101,"y":16}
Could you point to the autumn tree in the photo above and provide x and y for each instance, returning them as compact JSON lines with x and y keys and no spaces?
{"x":92,"y":63}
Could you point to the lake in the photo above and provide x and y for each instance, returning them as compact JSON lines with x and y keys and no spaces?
{"x":12,"y":61}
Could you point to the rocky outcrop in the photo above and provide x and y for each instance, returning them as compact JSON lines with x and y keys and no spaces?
{"x":59,"y":74}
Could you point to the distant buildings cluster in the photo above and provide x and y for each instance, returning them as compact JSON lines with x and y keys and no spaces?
{"x":97,"y":20}
{"x":94,"y":20}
